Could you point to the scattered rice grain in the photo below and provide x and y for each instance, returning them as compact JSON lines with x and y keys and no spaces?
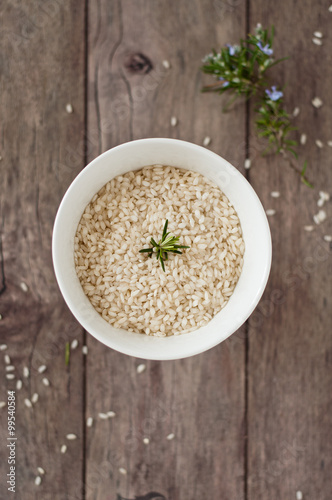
{"x":317,"y":102}
{"x":7,"y":359}
{"x":34,"y":398}
{"x":46,"y":382}
{"x":69,"y":108}
{"x":85,"y":350}
{"x":166,"y":64}
{"x":42,"y":369}
{"x":63,"y":448}
{"x":141,"y":368}
{"x":170,"y":436}
{"x":28,"y":403}
{"x":206,"y":141}
{"x":74,"y":344}
{"x":71,"y":437}
{"x":37,"y":480}
{"x":24,"y":287}
{"x":247,"y":163}
{"x":270,"y":211}
{"x":3,"y":347}
{"x":174,"y":121}
{"x":324,"y":195}
{"x":103,"y":416}
{"x":146,"y":440}
{"x":317,"y":41}
{"x":41,"y":470}
{"x":89,"y":422}
{"x":303,"y":139}
{"x":26,"y":372}
{"x":319,"y":217}
{"x":19,"y":385}
{"x":122,"y":471}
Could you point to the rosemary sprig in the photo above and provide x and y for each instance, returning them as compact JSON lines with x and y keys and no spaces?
{"x":67,"y":353}
{"x":274,"y":124}
{"x":167,"y":243}
{"x":240,"y":70}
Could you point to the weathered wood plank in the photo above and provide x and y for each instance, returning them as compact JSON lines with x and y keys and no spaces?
{"x":200,"y":400}
{"x":290,"y":379}
{"x":42,"y":69}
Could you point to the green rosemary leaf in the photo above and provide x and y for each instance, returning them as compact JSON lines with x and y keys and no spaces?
{"x":293,"y":153}
{"x":277,"y":62}
{"x":165,"y":228}
{"x":167,"y":243}
{"x":307,"y":183}
{"x":304,"y":168}
{"x":67,"y":353}
{"x":303,"y":176}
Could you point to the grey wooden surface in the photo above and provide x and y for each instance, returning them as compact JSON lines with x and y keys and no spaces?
{"x":251,"y":417}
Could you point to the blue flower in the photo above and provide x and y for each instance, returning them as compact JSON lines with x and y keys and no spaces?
{"x":226,"y":83}
{"x":265,"y":49}
{"x":274,"y":94}
{"x":231,"y":49}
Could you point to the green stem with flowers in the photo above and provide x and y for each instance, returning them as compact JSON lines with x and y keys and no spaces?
{"x":240,"y":70}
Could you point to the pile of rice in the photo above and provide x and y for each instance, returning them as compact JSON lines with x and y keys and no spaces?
{"x":129,"y":289}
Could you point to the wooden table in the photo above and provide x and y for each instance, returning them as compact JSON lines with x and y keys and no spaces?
{"x":251,"y":418}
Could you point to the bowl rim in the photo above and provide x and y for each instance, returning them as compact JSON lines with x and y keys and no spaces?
{"x":191,"y":349}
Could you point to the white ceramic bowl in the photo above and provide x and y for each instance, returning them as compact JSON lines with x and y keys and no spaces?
{"x":256,"y":233}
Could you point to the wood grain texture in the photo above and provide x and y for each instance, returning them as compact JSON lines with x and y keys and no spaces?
{"x":42,"y":69}
{"x":201,"y":400}
{"x":290,"y":343}
{"x":250,"y":418}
